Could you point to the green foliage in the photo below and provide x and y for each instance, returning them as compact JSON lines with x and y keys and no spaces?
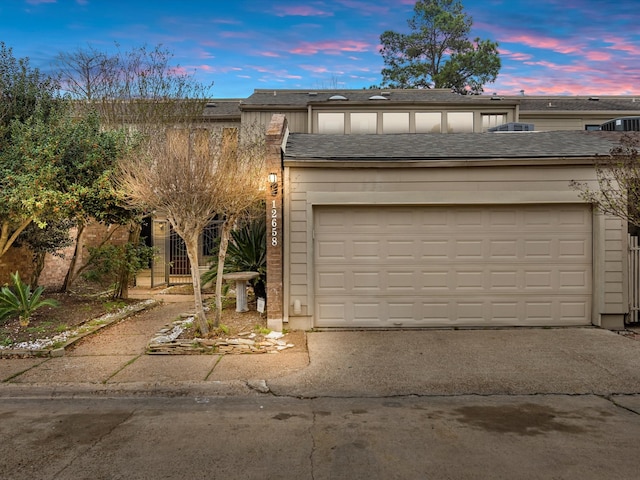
{"x":54,"y":164}
{"x":51,"y":239}
{"x":19,"y":301}
{"x":438,"y":52}
{"x":24,"y":90}
{"x":247,"y":252}
{"x":108,"y":263}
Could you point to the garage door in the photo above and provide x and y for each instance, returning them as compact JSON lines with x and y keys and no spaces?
{"x":382,"y":266}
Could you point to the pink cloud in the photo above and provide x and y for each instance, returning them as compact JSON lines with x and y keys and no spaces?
{"x":622,"y":45}
{"x":301,"y":11}
{"x":571,"y":68}
{"x":270,"y":54}
{"x":517,"y":56}
{"x":598,"y":56}
{"x":314,"y":68}
{"x":548,"y":43}
{"x":561,"y":83}
{"x":331,"y":47}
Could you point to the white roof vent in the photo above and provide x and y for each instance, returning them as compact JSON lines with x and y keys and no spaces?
{"x":378,"y":97}
{"x":337,"y":97}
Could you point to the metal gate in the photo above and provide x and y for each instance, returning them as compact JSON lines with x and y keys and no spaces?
{"x":634,"y":280}
{"x":171,"y":264}
{"x":160,"y":262}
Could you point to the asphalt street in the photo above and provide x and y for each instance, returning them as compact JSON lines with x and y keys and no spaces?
{"x":266,"y":437}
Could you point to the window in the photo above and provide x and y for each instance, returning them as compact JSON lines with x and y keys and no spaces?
{"x":592,"y":128}
{"x":395,"y":122}
{"x":364,"y":122}
{"x":428,"y":122}
{"x":331,"y":123}
{"x":459,"y":122}
{"x":490,"y":120}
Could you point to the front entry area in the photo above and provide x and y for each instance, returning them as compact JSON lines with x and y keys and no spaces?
{"x":473,"y":266}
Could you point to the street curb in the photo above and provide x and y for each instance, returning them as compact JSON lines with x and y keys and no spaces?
{"x":89,"y":328}
{"x":134,"y":389}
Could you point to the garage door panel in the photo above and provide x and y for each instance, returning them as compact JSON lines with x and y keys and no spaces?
{"x":515,"y":265}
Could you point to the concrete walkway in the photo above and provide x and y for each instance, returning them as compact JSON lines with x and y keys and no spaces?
{"x":339,"y":364}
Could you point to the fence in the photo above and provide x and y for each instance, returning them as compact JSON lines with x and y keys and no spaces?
{"x":634,"y":280}
{"x":171,"y":265}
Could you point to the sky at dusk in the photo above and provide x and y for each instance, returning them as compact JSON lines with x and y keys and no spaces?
{"x":555,"y":47}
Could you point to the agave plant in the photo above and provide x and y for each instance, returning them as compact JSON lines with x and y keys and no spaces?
{"x":19,"y":301}
{"x":247,"y":252}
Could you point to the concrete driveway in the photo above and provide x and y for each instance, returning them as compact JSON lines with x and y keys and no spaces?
{"x":458,"y":362}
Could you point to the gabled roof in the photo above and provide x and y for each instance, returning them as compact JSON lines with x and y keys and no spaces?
{"x":455,"y":146}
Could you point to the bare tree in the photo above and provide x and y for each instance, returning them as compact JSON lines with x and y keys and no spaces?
{"x":138,"y":89}
{"x":618,"y":177}
{"x":87,"y":73}
{"x":192,"y":175}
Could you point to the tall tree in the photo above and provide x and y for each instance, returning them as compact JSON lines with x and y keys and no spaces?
{"x":192,"y":175}
{"x":138,"y":89}
{"x":26,"y":96}
{"x":438,"y":52}
{"x":618,"y":175}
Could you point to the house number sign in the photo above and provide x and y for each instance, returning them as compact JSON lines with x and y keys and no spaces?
{"x":274,"y":224}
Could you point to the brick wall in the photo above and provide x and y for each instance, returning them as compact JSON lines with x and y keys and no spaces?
{"x":275,"y":299}
{"x":55,"y":267}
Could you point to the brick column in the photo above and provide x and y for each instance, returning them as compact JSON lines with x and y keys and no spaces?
{"x":276,"y":132}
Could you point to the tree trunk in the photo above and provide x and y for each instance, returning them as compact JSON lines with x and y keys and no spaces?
{"x":7,"y":238}
{"x":222,"y":255}
{"x":124,"y":276}
{"x":192,"y":252}
{"x":71,"y":274}
{"x":38,"y":266}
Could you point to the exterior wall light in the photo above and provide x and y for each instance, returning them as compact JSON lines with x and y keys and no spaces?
{"x":273,"y":180}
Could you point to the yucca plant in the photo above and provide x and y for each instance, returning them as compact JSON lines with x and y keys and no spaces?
{"x":19,"y":301}
{"x":247,"y":252}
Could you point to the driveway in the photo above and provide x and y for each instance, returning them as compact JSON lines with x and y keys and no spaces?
{"x":457,"y":362}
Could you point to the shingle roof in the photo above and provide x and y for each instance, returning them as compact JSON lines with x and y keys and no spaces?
{"x":302,"y":98}
{"x":227,"y":107}
{"x":555,"y":144}
{"x":551,"y":104}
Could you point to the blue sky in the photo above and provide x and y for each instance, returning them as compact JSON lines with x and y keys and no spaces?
{"x":556,"y":47}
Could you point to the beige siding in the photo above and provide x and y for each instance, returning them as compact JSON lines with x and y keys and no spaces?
{"x":426,"y":186}
{"x":296,"y":120}
{"x":551,"y":122}
{"x":615,"y":286}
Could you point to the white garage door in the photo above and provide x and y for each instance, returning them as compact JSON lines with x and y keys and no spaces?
{"x":381,"y":266}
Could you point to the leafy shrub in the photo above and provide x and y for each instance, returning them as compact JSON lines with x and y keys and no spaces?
{"x":19,"y":301}
{"x":108,"y":262}
{"x":247,"y":252}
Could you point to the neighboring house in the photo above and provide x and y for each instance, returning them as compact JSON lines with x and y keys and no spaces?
{"x":416,"y":228}
{"x":428,"y":111}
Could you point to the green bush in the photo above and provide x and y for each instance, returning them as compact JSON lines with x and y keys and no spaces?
{"x":19,"y":301}
{"x":108,"y":263}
